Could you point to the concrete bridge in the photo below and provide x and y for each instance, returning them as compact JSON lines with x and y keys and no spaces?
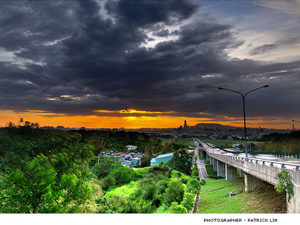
{"x":254,"y":171}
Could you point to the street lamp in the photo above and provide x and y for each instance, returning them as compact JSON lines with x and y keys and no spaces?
{"x":243,"y":96}
{"x":295,"y":121}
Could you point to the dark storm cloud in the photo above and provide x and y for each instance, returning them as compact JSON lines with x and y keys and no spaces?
{"x":77,"y":57}
{"x":144,"y":12}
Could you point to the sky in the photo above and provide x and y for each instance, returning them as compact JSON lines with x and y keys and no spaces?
{"x":146,"y":64}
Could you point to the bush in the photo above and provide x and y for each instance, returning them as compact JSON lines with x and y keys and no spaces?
{"x":210,"y":172}
{"x":162,"y":169}
{"x":96,"y":187}
{"x":285,"y":183}
{"x":141,"y":172}
{"x":193,"y":186}
{"x":174,"y":192}
{"x":117,"y":204}
{"x":181,"y":161}
{"x":195,"y":173}
{"x":188,"y":201}
{"x":107,"y":182}
{"x":184,"y":180}
{"x":123,"y":175}
{"x":145,"y":161}
{"x":162,"y":186}
{"x":104,"y":167}
{"x":175,"y":208}
{"x":202,"y":182}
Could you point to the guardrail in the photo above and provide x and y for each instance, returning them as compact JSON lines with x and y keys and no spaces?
{"x":282,"y":165}
{"x":283,"y":155}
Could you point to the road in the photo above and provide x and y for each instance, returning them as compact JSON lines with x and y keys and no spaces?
{"x":268,"y":160}
{"x":200,"y":163}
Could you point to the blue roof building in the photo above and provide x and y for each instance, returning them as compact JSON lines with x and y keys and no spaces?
{"x":161,"y":158}
{"x":135,"y":161}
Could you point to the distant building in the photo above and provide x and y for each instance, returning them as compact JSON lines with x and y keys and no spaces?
{"x":47,"y":128}
{"x":185,"y":126}
{"x":135,"y":161}
{"x":131,"y":147}
{"x":60,"y":128}
{"x":236,"y":145}
{"x":161,"y":158}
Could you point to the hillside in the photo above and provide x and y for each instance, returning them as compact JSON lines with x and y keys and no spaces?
{"x":213,"y":126}
{"x":264,"y":199}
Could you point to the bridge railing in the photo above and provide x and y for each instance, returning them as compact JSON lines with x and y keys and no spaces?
{"x":282,"y":165}
{"x":284,"y":155}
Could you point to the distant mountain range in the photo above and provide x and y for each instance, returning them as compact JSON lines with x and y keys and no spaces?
{"x":213,"y":126}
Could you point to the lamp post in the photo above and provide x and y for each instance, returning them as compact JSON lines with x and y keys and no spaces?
{"x":243,"y":96}
{"x":295,"y":121}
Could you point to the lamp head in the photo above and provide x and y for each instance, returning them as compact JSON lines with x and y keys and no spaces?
{"x":220,"y":88}
{"x":266,"y":86}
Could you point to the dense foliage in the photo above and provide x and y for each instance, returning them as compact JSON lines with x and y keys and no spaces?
{"x":54,"y":171}
{"x":156,"y":147}
{"x":114,"y":140}
{"x":160,"y":189}
{"x":43,"y":171}
{"x":284,"y":183}
{"x":286,"y":143}
{"x":181,"y":161}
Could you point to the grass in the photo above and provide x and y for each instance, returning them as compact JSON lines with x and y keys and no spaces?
{"x":264,"y":199}
{"x":183,"y":141}
{"x":225,"y":143}
{"x":210,"y":172}
{"x":228,"y":143}
{"x":124,"y":190}
{"x":218,"y":201}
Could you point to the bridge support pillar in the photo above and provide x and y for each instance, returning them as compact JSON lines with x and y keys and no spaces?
{"x":230,"y":172}
{"x":221,"y":169}
{"x":214,"y":163}
{"x":201,"y":154}
{"x":207,"y":157}
{"x":293,"y":204}
{"x":242,"y":174}
{"x":251,"y":182}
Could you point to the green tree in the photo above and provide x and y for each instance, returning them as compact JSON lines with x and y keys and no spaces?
{"x":145,"y":161}
{"x":167,"y":147}
{"x":181,"y":161}
{"x":174,"y":192}
{"x":42,"y":186}
{"x":43,"y":171}
{"x":193,"y":186}
{"x":195,"y":173}
{"x":104,"y":167}
{"x":153,"y":147}
{"x":285,"y":183}
{"x":176,"y":208}
{"x":188,"y":200}
{"x":108,"y":181}
{"x":123,"y":175}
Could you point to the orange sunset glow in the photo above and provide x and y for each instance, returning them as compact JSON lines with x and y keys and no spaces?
{"x":134,"y":122}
